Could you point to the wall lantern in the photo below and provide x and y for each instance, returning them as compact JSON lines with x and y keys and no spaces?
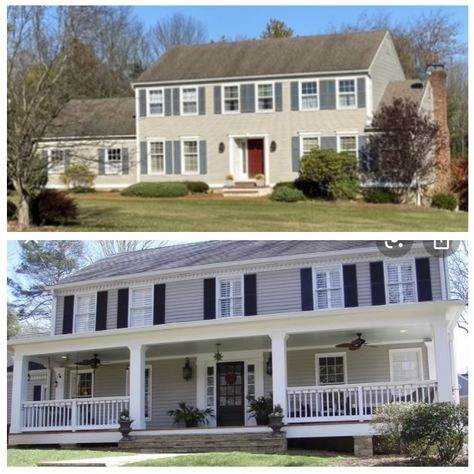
{"x":187,"y":371}
{"x":269,"y":365}
{"x":273,"y":146}
{"x":57,"y":379}
{"x":221,"y":147}
{"x":218,"y":354}
{"x":29,"y":377}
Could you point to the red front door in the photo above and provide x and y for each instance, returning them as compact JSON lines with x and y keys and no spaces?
{"x":255,"y":156}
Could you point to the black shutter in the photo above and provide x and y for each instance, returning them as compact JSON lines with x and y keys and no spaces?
{"x":101,"y":311}
{"x":210,"y":298}
{"x":423,"y":279}
{"x":37,"y":393}
{"x":159,"y":294}
{"x":122,"y":308}
{"x":68,"y":314}
{"x":377,"y":283}
{"x":349,"y":275}
{"x":250,"y":294}
{"x":307,"y":289}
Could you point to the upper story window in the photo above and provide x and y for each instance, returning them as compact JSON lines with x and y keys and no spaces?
{"x":328,"y":288}
{"x":156,"y":154}
{"x":308,"y":143}
{"x":309,"y":95}
{"x":230,"y":297}
{"x":348,"y":144}
{"x":155,"y":102}
{"x":231,"y":98}
{"x":265,"y":97}
{"x":189,"y":98}
{"x":84,"y":313}
{"x":400,"y":282}
{"x":56,"y":160}
{"x":190,"y":156}
{"x":141,"y":306}
{"x":346,"y":93}
{"x":113,"y":161}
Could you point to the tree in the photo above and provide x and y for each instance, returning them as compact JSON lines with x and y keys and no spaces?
{"x":43,"y":263}
{"x":176,"y":30}
{"x":458,"y":264}
{"x":98,"y":249}
{"x":276,"y":29}
{"x":402,"y":149}
{"x":13,"y":325}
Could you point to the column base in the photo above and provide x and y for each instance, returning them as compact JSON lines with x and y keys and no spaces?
{"x":363,"y":446}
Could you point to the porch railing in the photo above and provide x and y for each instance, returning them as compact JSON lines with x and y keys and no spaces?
{"x":73,"y":414}
{"x":352,"y":401}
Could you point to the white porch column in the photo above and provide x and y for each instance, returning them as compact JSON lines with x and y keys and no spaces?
{"x":19,"y":390}
{"x":442,"y":353}
{"x":454,"y":371}
{"x":137,"y":386}
{"x":279,"y":370}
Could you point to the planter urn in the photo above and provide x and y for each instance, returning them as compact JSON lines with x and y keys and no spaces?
{"x":275,"y":422}
{"x":125,"y":428}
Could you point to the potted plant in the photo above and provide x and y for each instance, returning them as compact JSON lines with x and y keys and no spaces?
{"x":260,"y":179}
{"x":125,"y":423}
{"x":260,"y":408}
{"x":191,"y":416}
{"x":276,"y":418}
{"x":229,"y":180}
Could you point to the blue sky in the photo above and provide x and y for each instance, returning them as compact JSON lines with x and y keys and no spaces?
{"x":250,"y":21}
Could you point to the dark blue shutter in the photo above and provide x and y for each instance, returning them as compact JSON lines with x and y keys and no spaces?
{"x":349,"y":275}
{"x":37,"y":392}
{"x":294,"y":95}
{"x":169,"y":157}
{"x":423,"y":279}
{"x":202,"y":100}
{"x":295,"y":154}
{"x":101,"y":159}
{"x":67,"y":158}
{"x":68,"y":314}
{"x":101,"y":311}
{"x":125,"y":165}
{"x":247,"y":98}
{"x":361,"y":102}
{"x":142,"y":102}
{"x":177,"y":157}
{"x":278,"y":97}
{"x":159,"y":299}
{"x":377,"y":283}
{"x":217,"y":100}
{"x":307,"y":303}
{"x":176,"y":101}
{"x":202,"y":157}
{"x":329,"y":143}
{"x":250,"y":294}
{"x":122,"y":308}
{"x":327,"y":94}
{"x":210,"y":298}
{"x":168,"y":102}
{"x":143,"y":158}
{"x":363,"y":153}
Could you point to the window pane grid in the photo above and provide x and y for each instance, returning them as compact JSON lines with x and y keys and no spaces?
{"x":400,"y":283}
{"x":190,"y":101}
{"x":141,"y":307}
{"x":348,"y":145}
{"x":328,"y":286}
{"x":230,"y":302}
{"x":265,"y":96}
{"x":113,"y":164}
{"x":155,"y":101}
{"x":347,"y":96}
{"x":84,"y":385}
{"x":231,"y":98}
{"x":331,"y":370}
{"x":84,"y":317}
{"x":191,"y":161}
{"x":157,"y":157}
{"x":56,"y":158}
{"x":309,"y":95}
{"x":310,"y":143}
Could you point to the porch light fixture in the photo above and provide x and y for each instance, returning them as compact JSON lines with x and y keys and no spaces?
{"x":187,"y":371}
{"x":57,"y":379}
{"x":269,"y":365}
{"x":273,"y":146}
{"x":29,"y":377}
{"x":221,"y":147}
{"x":218,"y":354}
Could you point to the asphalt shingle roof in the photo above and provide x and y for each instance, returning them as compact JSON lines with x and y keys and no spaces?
{"x":307,"y":54}
{"x":412,"y":89}
{"x":204,"y":253}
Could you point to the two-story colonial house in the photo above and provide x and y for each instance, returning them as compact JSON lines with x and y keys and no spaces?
{"x":241,"y":108}
{"x":333,"y":329}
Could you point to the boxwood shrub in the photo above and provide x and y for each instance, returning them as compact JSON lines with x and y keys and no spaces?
{"x":196,"y":187}
{"x":285,"y":184}
{"x":166,"y":189}
{"x":286,"y":194}
{"x":381,"y":196}
{"x":444,"y":201}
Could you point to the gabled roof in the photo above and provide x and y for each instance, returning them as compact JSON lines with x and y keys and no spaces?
{"x":269,"y":57}
{"x":204,"y":253}
{"x":412,"y":89}
{"x":95,"y":118}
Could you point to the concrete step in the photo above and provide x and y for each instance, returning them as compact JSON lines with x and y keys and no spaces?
{"x":245,"y":184}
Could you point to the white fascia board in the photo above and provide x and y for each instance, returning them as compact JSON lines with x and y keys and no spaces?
{"x":46,"y":140}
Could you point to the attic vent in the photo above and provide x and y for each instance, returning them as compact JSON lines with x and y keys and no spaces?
{"x":417,"y":85}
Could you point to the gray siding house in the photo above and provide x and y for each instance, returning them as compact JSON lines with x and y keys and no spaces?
{"x":333,"y":329}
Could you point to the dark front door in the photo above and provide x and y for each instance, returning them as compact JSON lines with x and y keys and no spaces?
{"x":230,"y":394}
{"x":255,"y":156}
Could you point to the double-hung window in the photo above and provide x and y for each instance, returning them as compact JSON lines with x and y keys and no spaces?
{"x":265,"y":97}
{"x":231,"y":98}
{"x":190,"y":156}
{"x":309,"y":95}
{"x":309,"y":143}
{"x":141,"y":306}
{"x":113,"y":161}
{"x":328,"y":288}
{"x":56,"y":160}
{"x":156,"y":153}
{"x":330,"y":369}
{"x":189,"y":100}
{"x":406,"y":365}
{"x":85,"y":383}
{"x":84,"y":313}
{"x":346,"y":93}
{"x":348,"y":144}
{"x":155,"y":102}
{"x":230,"y":297}
{"x":400,"y":280}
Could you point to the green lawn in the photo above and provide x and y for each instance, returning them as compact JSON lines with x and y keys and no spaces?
{"x":31,"y":457}
{"x":235,"y":459}
{"x":112,"y":212}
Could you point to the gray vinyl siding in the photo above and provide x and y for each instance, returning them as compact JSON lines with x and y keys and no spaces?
{"x":112,"y":300}
{"x":278,"y":291}
{"x":110,"y":380}
{"x":59,"y":315}
{"x":184,"y":301}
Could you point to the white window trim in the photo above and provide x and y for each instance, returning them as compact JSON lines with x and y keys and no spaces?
{"x":338,"y":105}
{"x":148,"y":114}
{"x":73,"y":383}
{"x":230,"y":112}
{"x":340,"y":135}
{"x":106,"y":151}
{"x":150,"y":396}
{"x":139,"y":287}
{"x":76,"y":299}
{"x":51,"y":169}
{"x":181,"y":101}
{"x":148,"y":155}
{"x":303,"y":135}
{"x":183,"y":161}
{"x":330,"y":354}
{"x":328,"y":267}
{"x":265,"y":111}
{"x":218,"y":281}
{"x":420,"y":362}
{"x":399,"y":261}
{"x":300,"y":95}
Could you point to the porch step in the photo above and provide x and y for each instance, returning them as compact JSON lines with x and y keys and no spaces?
{"x":269,"y":443}
{"x":246,"y":191}
{"x":245,"y":184}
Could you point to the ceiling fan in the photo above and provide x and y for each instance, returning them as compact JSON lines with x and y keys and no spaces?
{"x":355,"y":344}
{"x":93,"y":363}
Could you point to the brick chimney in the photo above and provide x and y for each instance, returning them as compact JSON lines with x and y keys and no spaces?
{"x":438,"y":76}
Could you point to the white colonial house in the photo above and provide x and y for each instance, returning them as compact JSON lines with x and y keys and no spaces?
{"x":333,"y":329}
